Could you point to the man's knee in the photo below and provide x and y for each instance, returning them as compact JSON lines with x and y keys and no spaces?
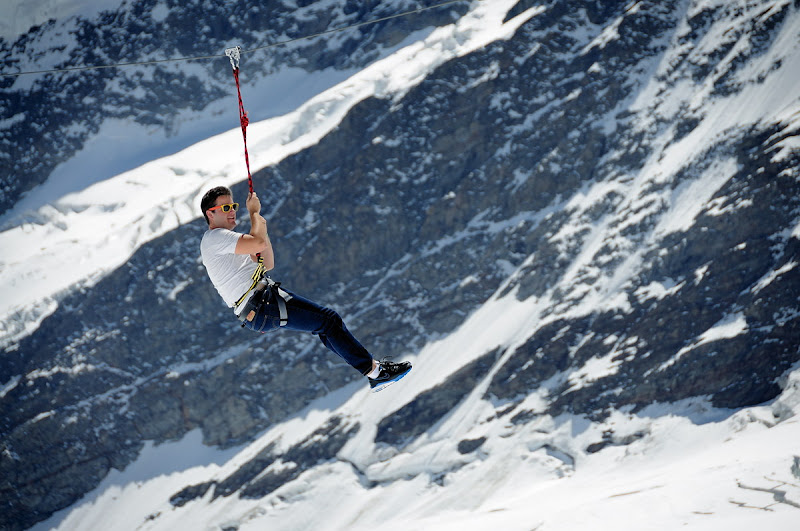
{"x":332,"y":320}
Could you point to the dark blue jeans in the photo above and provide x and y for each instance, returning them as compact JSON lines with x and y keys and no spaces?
{"x":307,"y":316}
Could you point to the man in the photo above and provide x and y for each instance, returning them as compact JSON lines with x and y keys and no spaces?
{"x":237,"y":265}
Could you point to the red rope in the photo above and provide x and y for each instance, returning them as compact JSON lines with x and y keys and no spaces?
{"x":244,"y":121}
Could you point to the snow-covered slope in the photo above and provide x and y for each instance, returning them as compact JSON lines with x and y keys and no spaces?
{"x":664,"y":467}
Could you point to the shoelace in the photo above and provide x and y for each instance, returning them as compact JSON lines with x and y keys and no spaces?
{"x":386,"y":364}
{"x":389,"y":367}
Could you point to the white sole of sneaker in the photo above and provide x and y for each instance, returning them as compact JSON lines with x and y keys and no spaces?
{"x":381,"y":387}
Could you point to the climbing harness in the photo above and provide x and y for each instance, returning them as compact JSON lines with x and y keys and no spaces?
{"x":266,"y":292}
{"x":264,"y":288}
{"x":257,"y":276}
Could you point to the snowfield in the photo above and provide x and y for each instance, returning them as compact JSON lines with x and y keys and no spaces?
{"x":688,"y":465}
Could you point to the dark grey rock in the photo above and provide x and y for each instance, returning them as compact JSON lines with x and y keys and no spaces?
{"x":467,"y":446}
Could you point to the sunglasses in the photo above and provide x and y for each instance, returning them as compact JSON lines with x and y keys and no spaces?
{"x":227,"y":208}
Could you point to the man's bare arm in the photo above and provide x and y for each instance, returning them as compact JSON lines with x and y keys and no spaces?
{"x":257,"y":241}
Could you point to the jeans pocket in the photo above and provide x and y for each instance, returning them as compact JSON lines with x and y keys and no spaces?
{"x":264,"y":321}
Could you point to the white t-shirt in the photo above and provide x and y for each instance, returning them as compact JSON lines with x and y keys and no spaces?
{"x":230,"y":273}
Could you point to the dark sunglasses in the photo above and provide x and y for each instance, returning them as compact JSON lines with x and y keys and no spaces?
{"x":227,"y":208}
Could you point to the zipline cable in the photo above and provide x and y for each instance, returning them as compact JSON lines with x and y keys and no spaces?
{"x":216,"y":56}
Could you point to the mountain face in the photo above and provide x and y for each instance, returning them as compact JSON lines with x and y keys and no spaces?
{"x":626,"y":174}
{"x":59,"y":113}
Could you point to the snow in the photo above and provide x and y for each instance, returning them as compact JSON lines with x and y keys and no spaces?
{"x":608,"y":34}
{"x":594,"y":369}
{"x":9,"y":385}
{"x":728,"y":327}
{"x":690,"y":199}
{"x":658,"y":290}
{"x":770,"y":277}
{"x":691,"y":465}
{"x":282,"y":93}
{"x":159,"y":12}
{"x":164,"y":466}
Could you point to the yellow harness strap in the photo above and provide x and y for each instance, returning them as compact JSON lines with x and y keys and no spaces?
{"x":257,"y":274}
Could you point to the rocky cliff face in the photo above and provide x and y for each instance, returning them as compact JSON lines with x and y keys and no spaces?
{"x":594,"y":165}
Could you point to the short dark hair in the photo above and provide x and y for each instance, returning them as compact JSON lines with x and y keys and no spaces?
{"x":211,"y":197}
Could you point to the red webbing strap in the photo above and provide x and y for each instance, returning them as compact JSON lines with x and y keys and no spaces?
{"x":234,"y":54}
{"x":244,"y":122}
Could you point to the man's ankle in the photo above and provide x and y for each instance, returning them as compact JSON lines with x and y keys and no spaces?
{"x":376,"y":370}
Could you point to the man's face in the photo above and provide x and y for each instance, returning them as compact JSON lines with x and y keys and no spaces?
{"x":219,"y":219}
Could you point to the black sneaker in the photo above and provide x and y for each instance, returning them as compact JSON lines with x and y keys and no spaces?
{"x":390,"y":373}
